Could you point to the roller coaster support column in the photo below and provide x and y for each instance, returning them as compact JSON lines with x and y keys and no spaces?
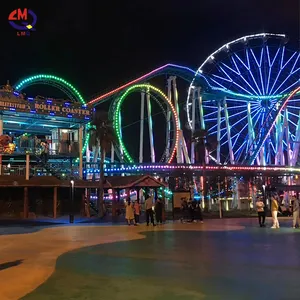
{"x":80,"y":152}
{"x":142,"y":126}
{"x":231,"y":156}
{"x":112,"y":154}
{"x":236,"y":199}
{"x":26,"y":201}
{"x":150,"y":125}
{"x":219,"y":134}
{"x":296,"y":143}
{"x":175,"y":93}
{"x":1,"y":132}
{"x":168,"y":129}
{"x":120,"y":126}
{"x":251,"y":133}
{"x":193,"y":125}
{"x":202,"y":120}
{"x":288,"y":136}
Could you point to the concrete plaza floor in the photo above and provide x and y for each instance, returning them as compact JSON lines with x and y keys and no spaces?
{"x":220,"y":259}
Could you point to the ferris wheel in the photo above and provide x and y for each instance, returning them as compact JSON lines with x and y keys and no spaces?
{"x":250,"y":78}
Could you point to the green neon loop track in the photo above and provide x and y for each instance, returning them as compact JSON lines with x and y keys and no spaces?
{"x":117,"y":120}
{"x":59,"y":83}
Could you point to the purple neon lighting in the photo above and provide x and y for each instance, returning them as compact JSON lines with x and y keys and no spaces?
{"x":274,"y":121}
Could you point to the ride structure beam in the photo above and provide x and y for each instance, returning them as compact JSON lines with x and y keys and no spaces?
{"x":277,"y":137}
{"x":175,"y":94}
{"x":251,"y":133}
{"x":231,"y":155}
{"x":168,"y":129}
{"x":202,"y":122}
{"x":142,"y":126}
{"x":280,"y":148}
{"x":150,"y":126}
{"x":287,"y":134}
{"x":219,"y":133}
{"x":296,"y":143}
{"x":193,"y":125}
{"x":80,"y":152}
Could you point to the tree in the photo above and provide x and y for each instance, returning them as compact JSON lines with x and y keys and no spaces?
{"x":102,"y":136}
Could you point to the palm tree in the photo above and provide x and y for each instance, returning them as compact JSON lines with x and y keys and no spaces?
{"x":102,"y":136}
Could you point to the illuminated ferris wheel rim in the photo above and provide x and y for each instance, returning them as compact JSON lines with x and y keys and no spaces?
{"x":228,"y":92}
{"x":241,"y":39}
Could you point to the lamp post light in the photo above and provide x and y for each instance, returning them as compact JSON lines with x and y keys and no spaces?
{"x":71,"y":216}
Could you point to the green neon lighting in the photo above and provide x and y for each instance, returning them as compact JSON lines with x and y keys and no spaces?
{"x":36,"y":78}
{"x":116,"y":119}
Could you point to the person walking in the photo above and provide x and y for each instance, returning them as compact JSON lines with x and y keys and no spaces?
{"x":158,"y":211}
{"x":184,"y":210}
{"x":274,"y":209}
{"x":137,"y":211}
{"x":295,"y":206}
{"x":191,"y":209}
{"x":260,"y":206}
{"x":129,"y":215}
{"x":149,"y":211}
{"x":198,"y":211}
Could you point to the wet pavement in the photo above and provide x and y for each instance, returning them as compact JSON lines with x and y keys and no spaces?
{"x":221,"y":259}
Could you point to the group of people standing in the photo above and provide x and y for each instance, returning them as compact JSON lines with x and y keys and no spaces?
{"x":191,"y":211}
{"x":275,"y":208}
{"x":134,"y":209}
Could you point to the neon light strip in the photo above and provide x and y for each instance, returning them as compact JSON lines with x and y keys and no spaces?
{"x":168,"y":168}
{"x":145,"y":76}
{"x":137,"y":80}
{"x":116,"y":122}
{"x":51,"y":78}
{"x":241,"y":39}
{"x":274,"y":121}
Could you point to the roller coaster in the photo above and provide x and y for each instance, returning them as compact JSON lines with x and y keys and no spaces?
{"x":244,"y":96}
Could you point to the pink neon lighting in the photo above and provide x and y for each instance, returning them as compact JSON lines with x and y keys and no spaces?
{"x":292,"y":94}
{"x":127,"y":84}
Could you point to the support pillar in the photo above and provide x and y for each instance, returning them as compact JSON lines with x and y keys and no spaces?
{"x":26,"y":202}
{"x":219,"y":134}
{"x":80,"y":152}
{"x":168,"y":130}
{"x":112,"y":153}
{"x":219,"y":198}
{"x":142,"y":126}
{"x":152,"y":151}
{"x":193,"y":125}
{"x":175,"y":93}
{"x":55,"y":202}
{"x":27,"y":166}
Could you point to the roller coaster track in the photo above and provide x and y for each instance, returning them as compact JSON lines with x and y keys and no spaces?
{"x":185,"y":73}
{"x":282,"y":102}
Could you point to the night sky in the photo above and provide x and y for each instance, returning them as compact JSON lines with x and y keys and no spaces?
{"x":101,"y":45}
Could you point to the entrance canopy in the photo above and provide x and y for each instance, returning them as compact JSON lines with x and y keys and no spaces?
{"x":130,"y":182}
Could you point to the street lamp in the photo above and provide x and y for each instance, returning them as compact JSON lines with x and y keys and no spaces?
{"x":71,"y":216}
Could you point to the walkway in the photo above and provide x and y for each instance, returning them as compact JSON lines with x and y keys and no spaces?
{"x":221,"y":259}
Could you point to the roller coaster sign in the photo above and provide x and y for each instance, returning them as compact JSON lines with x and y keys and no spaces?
{"x":23,"y":21}
{"x":45,"y":107}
